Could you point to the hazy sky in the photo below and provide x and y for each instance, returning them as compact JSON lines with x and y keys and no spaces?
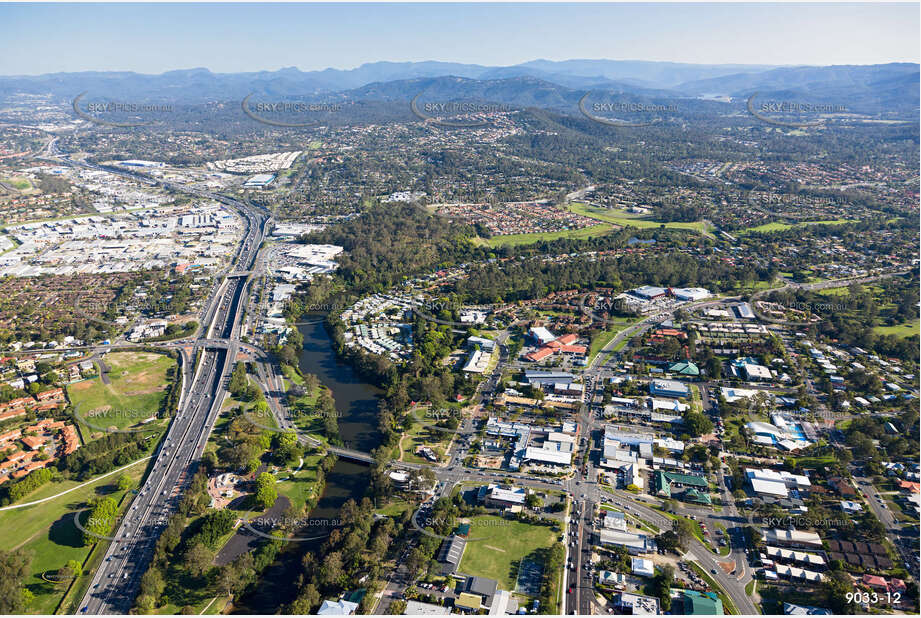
{"x":247,"y":37}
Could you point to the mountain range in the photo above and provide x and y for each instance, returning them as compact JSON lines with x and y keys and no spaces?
{"x":543,"y":83}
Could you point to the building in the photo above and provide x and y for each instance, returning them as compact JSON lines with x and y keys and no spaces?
{"x":450,"y":554}
{"x":483,"y":588}
{"x":690,"y":294}
{"x":610,"y":578}
{"x":637,"y":604}
{"x":337,"y":608}
{"x":694,"y":603}
{"x":668,"y":388}
{"x":792,"y":538}
{"x":634,"y":543}
{"x":685,"y":368}
{"x":259,"y":181}
{"x":541,"y":335}
{"x":495,"y":496}
{"x":614,"y":520}
{"x":547,"y":456}
{"x":791,"y":609}
{"x":776,"y":483}
{"x":642,"y":567}
{"x":416,"y":608}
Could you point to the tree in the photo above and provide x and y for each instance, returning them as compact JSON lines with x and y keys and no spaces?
{"x":198,"y":559}
{"x":14,"y":568}
{"x":124,"y":482}
{"x":697,"y":424}
{"x":684,"y":529}
{"x":668,"y":541}
{"x":266,"y":493}
{"x":533,"y":501}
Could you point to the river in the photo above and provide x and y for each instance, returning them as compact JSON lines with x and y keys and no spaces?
{"x":356,"y":402}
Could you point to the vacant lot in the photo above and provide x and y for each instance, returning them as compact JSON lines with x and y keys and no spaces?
{"x":137,"y":386}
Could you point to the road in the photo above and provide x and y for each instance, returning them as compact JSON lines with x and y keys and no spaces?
{"x":116,"y":582}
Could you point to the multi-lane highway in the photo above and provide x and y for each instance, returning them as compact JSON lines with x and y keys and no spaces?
{"x":115,"y":584}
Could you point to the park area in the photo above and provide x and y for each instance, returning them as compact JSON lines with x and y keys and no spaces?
{"x":47,"y":533}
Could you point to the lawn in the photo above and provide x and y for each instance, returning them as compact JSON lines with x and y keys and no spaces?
{"x":424,"y":435}
{"x":900,"y":330}
{"x":527,"y":239}
{"x":301,"y":485}
{"x":626,"y":219}
{"x":504,"y":543}
{"x":776,"y":226}
{"x":138,"y":386}
{"x":47,"y":531}
{"x":604,"y":337}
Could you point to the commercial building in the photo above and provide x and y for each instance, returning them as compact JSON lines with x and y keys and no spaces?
{"x":637,"y":604}
{"x":792,"y":538}
{"x":634,"y":543}
{"x":496,"y":496}
{"x":668,"y":388}
{"x":694,"y":603}
{"x":642,"y":567}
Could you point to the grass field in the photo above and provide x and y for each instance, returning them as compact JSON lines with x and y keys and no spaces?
{"x":504,"y":544}
{"x":138,"y":386}
{"x":626,"y":219}
{"x":901,"y":330}
{"x":47,"y":531}
{"x":527,"y":239}
{"x":776,"y":226}
{"x":605,"y":336}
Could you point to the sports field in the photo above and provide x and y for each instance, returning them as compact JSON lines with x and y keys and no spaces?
{"x":504,"y":544}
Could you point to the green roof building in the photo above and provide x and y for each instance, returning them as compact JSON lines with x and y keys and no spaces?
{"x":693,"y":603}
{"x":685,"y":368}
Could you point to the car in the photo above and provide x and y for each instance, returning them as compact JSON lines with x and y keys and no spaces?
{"x":713,"y":571}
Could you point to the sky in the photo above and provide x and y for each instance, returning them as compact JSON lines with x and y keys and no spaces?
{"x":238,"y":37}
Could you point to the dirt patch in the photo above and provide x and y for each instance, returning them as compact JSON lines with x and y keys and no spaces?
{"x":728,"y":567}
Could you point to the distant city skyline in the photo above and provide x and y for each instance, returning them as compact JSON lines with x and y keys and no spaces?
{"x":228,"y":38}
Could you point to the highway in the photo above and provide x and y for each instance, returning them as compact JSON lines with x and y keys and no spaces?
{"x":116,"y":582}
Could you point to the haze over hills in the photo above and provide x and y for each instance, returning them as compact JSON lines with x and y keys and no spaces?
{"x":542,"y":83}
